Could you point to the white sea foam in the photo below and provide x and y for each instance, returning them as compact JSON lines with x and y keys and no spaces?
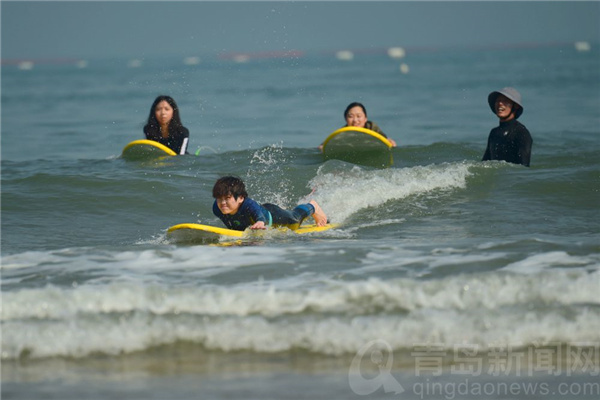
{"x":379,"y":224}
{"x":30,"y":259}
{"x":332,"y":317}
{"x":332,"y":335}
{"x":345,"y":193}
{"x":540,"y":262}
{"x":419,"y":264}
{"x":183,"y":257}
{"x":489,"y":291}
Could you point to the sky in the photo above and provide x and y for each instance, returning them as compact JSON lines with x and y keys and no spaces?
{"x":139,"y":29}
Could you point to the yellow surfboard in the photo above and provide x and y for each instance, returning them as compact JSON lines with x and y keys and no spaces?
{"x":145,"y":149}
{"x":199,"y":232}
{"x":359,"y":146}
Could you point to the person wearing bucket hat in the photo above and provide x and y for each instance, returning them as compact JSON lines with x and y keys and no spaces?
{"x":510,"y":141}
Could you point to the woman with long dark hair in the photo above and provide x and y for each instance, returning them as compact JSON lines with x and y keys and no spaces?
{"x":164,"y":125}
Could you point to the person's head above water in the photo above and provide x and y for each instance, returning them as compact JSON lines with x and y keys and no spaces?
{"x":355,"y":115}
{"x":505,"y":102}
{"x":164,"y":110}
{"x":229,"y":193}
{"x":229,"y":186}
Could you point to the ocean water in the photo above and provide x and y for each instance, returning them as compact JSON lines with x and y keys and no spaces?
{"x":441,"y":267}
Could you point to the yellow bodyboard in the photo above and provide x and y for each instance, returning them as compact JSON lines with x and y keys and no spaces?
{"x":144,"y":149}
{"x":211,"y":231}
{"x":366,"y":131}
{"x":359,"y":146}
{"x":199,"y":232}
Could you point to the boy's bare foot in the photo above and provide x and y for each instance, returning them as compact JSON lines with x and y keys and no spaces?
{"x":319,"y":215}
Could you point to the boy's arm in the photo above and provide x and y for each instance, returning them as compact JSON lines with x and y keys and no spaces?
{"x":257,"y":214}
{"x":259,"y":225}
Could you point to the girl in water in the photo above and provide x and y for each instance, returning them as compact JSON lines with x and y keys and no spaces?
{"x":164,"y":125}
{"x":356,"y":115}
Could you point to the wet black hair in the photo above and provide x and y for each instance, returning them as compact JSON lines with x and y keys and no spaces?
{"x":229,"y":185}
{"x":152,"y":126}
{"x":351,"y":106}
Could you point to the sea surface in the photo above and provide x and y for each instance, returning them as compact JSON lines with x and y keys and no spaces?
{"x":445,"y":272}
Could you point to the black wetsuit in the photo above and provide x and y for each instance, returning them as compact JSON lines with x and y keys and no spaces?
{"x":251,"y":212}
{"x":510,"y":142}
{"x":177,"y":140}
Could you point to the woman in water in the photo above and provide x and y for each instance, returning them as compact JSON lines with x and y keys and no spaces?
{"x":356,"y":115}
{"x":164,"y":125}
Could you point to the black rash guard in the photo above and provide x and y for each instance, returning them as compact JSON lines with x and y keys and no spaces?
{"x":510,"y":142}
{"x":177,"y":141}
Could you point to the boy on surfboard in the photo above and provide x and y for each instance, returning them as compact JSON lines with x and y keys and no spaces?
{"x":238,"y":212}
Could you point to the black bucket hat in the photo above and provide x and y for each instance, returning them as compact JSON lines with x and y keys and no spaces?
{"x":510,"y":93}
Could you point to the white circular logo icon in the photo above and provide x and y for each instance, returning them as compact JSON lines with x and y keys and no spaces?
{"x":379,"y":353}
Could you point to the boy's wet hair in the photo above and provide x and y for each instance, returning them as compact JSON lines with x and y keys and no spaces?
{"x":229,"y":185}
